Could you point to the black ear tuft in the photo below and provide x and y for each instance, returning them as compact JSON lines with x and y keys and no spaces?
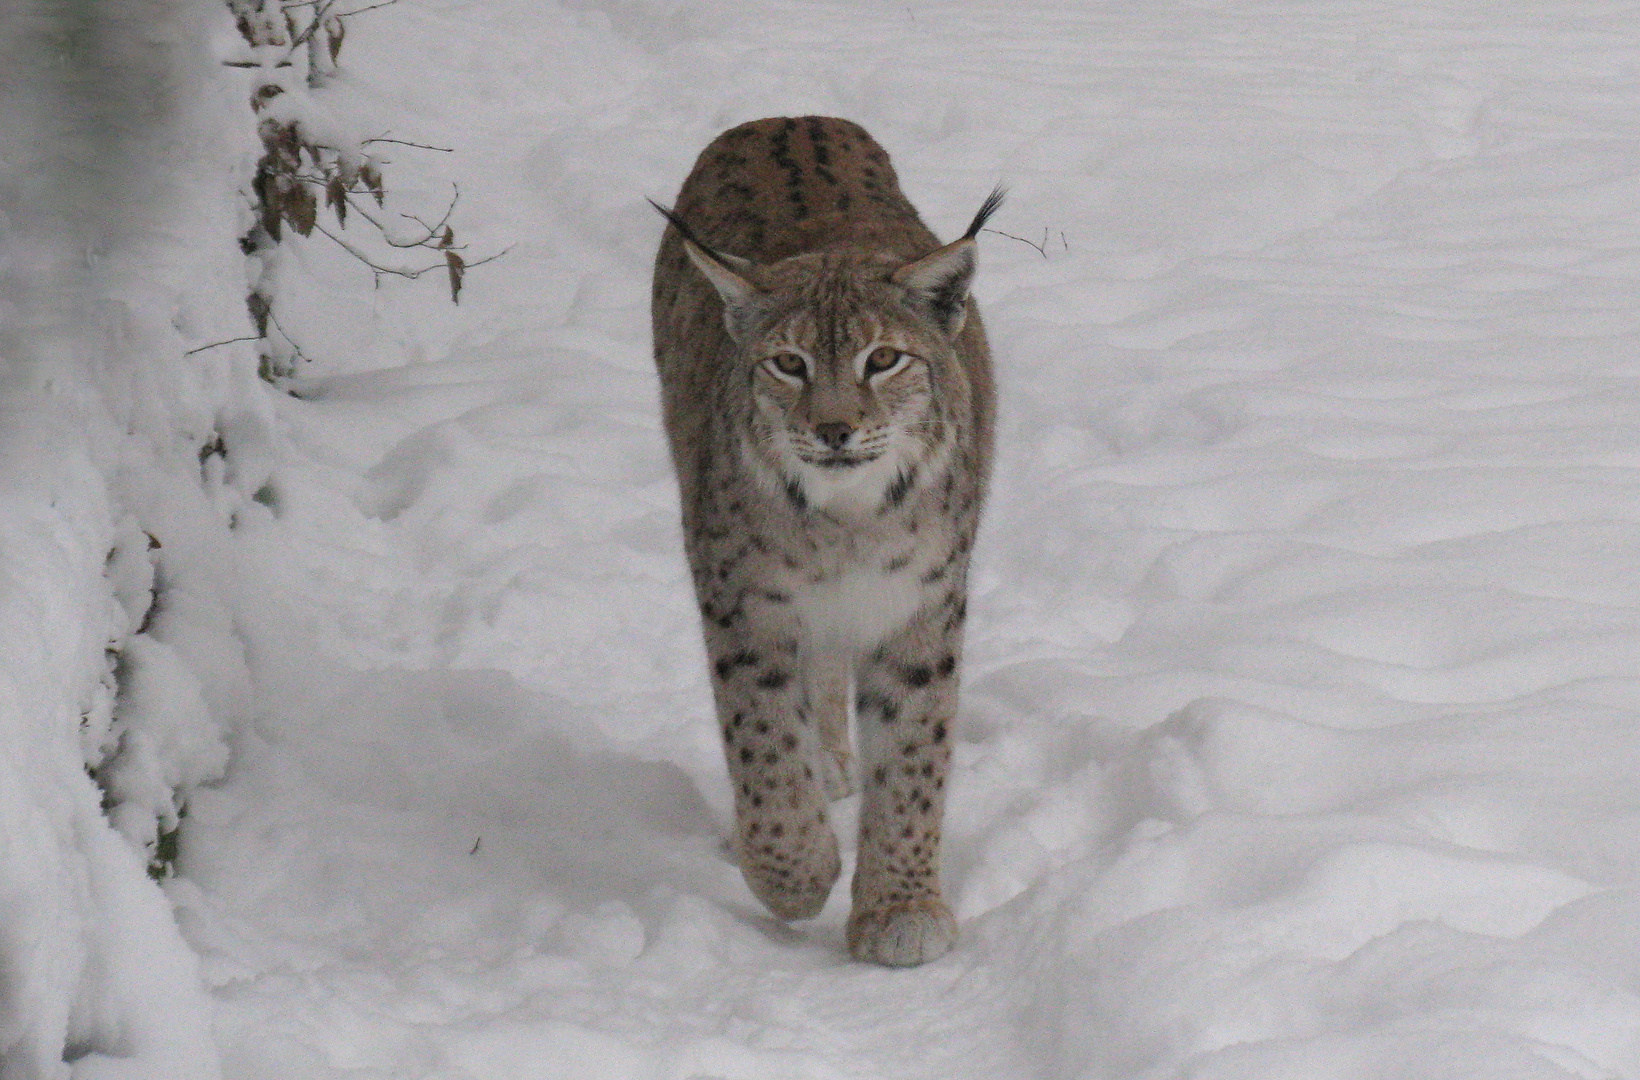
{"x":990,"y":206}
{"x":677,"y":222}
{"x":742,"y":299}
{"x":728,"y":262}
{"x":939,"y":281}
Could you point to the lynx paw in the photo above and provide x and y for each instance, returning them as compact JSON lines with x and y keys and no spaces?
{"x":903,"y":935}
{"x":791,"y":899}
{"x":792,"y":885}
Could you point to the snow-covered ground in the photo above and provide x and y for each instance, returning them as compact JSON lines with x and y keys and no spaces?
{"x":1301,"y":723}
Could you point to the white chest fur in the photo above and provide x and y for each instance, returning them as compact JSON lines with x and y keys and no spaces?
{"x":859,"y":608}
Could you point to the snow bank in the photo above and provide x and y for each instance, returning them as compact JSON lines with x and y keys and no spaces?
{"x":118,"y":215}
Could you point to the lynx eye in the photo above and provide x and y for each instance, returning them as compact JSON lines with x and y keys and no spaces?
{"x":883,"y":359}
{"x":789,"y":364}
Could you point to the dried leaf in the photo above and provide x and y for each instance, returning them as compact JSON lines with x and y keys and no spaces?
{"x":283,"y":144}
{"x":373,"y":180}
{"x":336,"y":197}
{"x":335,"y":31}
{"x":458,"y":267}
{"x":268,"y":198}
{"x":264,"y":94}
{"x":301,"y":208}
{"x":257,"y":27}
{"x":258,"y":306}
{"x":449,"y":238}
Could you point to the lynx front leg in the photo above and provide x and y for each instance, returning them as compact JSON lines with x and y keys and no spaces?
{"x":785,"y":845}
{"x":828,"y":679}
{"x":907,"y":698}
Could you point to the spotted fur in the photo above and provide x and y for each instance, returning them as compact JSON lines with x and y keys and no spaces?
{"x":828,"y":397}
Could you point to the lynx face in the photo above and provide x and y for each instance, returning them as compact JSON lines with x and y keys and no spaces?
{"x":844,"y":353}
{"x":842,"y":385}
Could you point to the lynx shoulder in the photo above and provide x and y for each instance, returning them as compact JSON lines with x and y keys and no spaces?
{"x":827,"y":394}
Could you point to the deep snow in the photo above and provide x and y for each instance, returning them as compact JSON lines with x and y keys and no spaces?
{"x":1299,"y":734}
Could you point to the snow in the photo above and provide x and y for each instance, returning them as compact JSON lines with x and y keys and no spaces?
{"x":1299,"y":725}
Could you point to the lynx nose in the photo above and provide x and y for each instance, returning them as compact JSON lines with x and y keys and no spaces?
{"x":834,"y":433}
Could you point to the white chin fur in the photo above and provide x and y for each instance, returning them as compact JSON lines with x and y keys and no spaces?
{"x":853,"y":489}
{"x":856,"y":490}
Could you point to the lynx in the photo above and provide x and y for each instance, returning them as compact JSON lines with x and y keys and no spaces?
{"x":828,"y":398}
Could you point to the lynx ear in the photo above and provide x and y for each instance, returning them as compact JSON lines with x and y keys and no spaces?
{"x":727,"y":273}
{"x":740,"y":297}
{"x":940,"y":281}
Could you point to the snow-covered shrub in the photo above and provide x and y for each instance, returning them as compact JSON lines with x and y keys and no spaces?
{"x":122,"y":333}
{"x":317,"y":165}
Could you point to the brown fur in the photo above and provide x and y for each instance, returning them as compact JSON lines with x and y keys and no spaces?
{"x":828,"y":514}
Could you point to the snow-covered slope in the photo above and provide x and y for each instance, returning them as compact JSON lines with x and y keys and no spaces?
{"x":119,"y":161}
{"x":1301,"y":726}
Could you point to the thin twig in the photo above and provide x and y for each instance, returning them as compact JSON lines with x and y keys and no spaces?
{"x":488,"y":258}
{"x":375,"y":267}
{"x":300,"y":355}
{"x":321,"y":9}
{"x":432,"y":230}
{"x":361,"y":11}
{"x":1041,"y":249}
{"x":219,"y":344}
{"x":406,"y":142}
{"x":399,"y":271}
{"x":433,"y":239}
